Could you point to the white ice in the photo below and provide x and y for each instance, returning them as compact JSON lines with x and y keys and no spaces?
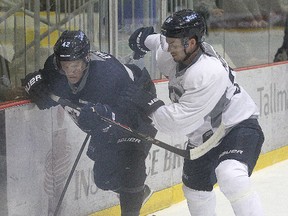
{"x":271,"y":184}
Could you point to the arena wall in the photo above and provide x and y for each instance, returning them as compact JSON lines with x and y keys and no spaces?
{"x":38,"y":148}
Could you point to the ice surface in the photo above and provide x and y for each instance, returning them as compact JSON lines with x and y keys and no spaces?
{"x":271,"y":184}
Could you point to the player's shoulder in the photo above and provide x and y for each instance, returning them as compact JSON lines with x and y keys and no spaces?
{"x":100,"y":56}
{"x":110,"y":72}
{"x":50,"y":62}
{"x":210,"y":63}
{"x":105,"y":61}
{"x":50,"y":70}
{"x":206,"y":70}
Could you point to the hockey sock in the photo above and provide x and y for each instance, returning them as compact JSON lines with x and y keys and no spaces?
{"x":200,"y":203}
{"x":236,"y":185}
{"x":131,"y":203}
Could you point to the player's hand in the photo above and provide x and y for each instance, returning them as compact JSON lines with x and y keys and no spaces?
{"x":142,"y":93}
{"x":136,"y":41}
{"x":35,"y":85}
{"x":90,"y":116}
{"x":145,"y":82}
{"x":144,"y":100}
{"x":38,"y":90}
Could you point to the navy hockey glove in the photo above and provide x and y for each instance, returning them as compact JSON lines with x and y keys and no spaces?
{"x":136,"y":41}
{"x":89,"y":118}
{"x":145,"y":82}
{"x":142,"y":78}
{"x":142,"y":93}
{"x":38,"y":91}
{"x":144,"y":100}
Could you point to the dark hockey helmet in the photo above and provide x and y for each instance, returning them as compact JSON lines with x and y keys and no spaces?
{"x":185,"y":23}
{"x":72,"y":45}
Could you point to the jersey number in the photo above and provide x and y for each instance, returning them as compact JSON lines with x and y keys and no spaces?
{"x":232,"y":78}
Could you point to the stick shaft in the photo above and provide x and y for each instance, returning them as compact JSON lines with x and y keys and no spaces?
{"x":70,"y":175}
{"x":191,"y":154}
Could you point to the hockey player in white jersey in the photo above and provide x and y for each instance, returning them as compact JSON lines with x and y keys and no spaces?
{"x":205,"y":96}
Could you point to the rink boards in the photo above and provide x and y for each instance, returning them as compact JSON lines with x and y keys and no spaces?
{"x":38,"y":148}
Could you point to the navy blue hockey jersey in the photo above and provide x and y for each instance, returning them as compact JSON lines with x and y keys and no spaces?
{"x":105,"y":79}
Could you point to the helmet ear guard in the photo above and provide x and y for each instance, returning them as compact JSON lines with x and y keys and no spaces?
{"x":185,"y":42}
{"x":87,"y":58}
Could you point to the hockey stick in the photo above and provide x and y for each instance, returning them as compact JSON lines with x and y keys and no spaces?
{"x":70,"y":175}
{"x":190,"y":154}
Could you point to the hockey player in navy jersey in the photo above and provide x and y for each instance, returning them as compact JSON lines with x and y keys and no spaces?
{"x":93,"y":80}
{"x":205,"y":97}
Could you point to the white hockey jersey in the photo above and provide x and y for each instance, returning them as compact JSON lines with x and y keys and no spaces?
{"x":204,"y":95}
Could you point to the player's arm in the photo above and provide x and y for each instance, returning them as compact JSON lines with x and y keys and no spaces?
{"x":186,"y":115}
{"x":108,"y":105}
{"x":37,"y":86}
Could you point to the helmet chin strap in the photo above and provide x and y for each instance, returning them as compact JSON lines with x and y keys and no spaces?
{"x":185,"y":44}
{"x":189,"y":54}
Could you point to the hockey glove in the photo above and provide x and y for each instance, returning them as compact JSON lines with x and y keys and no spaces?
{"x":38,"y":91}
{"x":90,"y":116}
{"x":145,"y":82}
{"x":144,"y":100}
{"x":136,"y":41}
{"x":142,"y":78}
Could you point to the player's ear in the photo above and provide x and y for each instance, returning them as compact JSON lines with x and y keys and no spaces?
{"x":192,"y":42}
